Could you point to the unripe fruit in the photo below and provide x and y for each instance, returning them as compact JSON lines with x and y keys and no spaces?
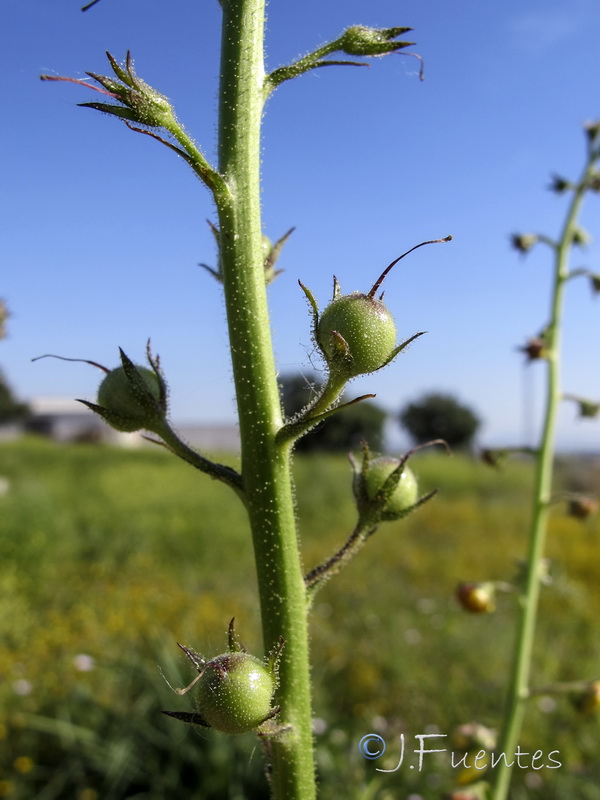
{"x":406,"y":492}
{"x":128,"y":411}
{"x":367,"y":328}
{"x":234,"y":692}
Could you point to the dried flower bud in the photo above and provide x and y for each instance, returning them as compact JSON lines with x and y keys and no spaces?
{"x":544,"y":572}
{"x":588,"y":409}
{"x":524,"y":241}
{"x":560,"y":185}
{"x":593,"y":181}
{"x":592,"y":131}
{"x":473,"y":735}
{"x":494,"y":458}
{"x":581,"y":237}
{"x":4,"y":315}
{"x":582,"y":507}
{"x":587,"y":701}
{"x":479,"y":598}
{"x":535,"y":349}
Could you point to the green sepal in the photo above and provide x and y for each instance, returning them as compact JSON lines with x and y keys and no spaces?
{"x":147,"y":411}
{"x":337,"y":289}
{"x":142,"y":104}
{"x":272,"y":252}
{"x":216,"y":275}
{"x":314,"y":308}
{"x":372,"y":510}
{"x":400,"y":348}
{"x":233,"y":640}
{"x":126,"y":76}
{"x":189,"y":717}
{"x":116,"y":111}
{"x":359,"y":471}
{"x":197,"y":660}
{"x":387,"y":516}
{"x":215,"y":232}
{"x":273,"y":660}
{"x":140,"y":388}
{"x":112,"y":418}
{"x":109,"y":83}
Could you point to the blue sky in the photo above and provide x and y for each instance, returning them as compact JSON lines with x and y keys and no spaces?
{"x":102,"y":229}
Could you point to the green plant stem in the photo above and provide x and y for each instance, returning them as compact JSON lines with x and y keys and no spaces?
{"x":197,"y":161}
{"x":265,"y":462}
{"x":519,"y":689}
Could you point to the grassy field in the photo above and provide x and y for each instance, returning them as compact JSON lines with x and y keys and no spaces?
{"x":108,"y":558}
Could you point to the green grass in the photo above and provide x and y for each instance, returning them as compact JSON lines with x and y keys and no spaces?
{"x":118,"y":555}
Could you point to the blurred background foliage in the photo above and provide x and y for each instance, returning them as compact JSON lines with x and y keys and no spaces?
{"x":109,"y":557}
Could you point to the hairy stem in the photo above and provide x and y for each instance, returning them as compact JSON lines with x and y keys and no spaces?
{"x":191,"y":456}
{"x":317,"y":577}
{"x":265,"y":462}
{"x":519,"y":688}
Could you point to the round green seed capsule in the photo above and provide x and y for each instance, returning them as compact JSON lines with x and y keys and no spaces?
{"x":406,"y":492}
{"x":367,"y":327}
{"x":128,"y":411}
{"x":234,"y":692}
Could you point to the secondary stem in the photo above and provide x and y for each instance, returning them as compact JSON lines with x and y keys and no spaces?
{"x":519,"y":689}
{"x":265,"y":462}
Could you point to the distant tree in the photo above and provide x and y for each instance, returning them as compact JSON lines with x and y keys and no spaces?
{"x":11,"y":410}
{"x":342,"y":431}
{"x":440,"y":416}
{"x":3,"y":317}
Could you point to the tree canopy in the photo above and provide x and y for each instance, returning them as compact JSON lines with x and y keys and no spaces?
{"x":440,"y":416}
